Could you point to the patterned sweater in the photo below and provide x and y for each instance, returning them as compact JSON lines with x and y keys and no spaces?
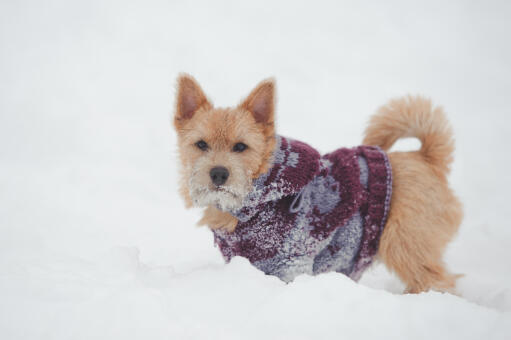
{"x":311,"y":213}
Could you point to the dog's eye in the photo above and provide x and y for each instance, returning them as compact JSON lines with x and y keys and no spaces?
{"x":202,"y":145}
{"x":239,"y":147}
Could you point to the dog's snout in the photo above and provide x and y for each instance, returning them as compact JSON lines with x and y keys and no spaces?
{"x":219,"y":175}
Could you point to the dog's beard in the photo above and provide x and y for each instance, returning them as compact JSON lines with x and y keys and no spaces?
{"x":225,"y":197}
{"x":222,"y":198}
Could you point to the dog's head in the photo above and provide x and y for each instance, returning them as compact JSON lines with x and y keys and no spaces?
{"x":222,"y":149}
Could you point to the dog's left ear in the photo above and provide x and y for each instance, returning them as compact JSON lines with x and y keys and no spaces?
{"x":261,"y":102}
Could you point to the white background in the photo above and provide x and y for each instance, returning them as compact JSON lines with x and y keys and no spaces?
{"x":94,"y":239}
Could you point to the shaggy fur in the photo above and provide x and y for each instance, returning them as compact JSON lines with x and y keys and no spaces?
{"x":250,"y":122}
{"x":424,"y":212}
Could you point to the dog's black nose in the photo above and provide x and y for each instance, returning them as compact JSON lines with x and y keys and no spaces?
{"x":219,"y":175}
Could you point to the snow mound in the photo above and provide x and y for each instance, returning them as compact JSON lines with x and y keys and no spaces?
{"x":117,"y":296}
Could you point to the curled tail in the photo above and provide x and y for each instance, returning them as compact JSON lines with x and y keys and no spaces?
{"x":414,"y":116}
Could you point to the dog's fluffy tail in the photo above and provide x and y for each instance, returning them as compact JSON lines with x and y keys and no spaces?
{"x":414,"y":116}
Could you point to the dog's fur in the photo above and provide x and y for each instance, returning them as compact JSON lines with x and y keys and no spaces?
{"x":424,"y":214}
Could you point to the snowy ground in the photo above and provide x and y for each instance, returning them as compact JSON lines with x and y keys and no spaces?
{"x":94,"y":240}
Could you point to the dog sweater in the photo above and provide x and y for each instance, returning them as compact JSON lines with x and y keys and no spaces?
{"x":313,"y":214}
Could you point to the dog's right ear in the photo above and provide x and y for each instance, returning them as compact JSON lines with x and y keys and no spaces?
{"x":189,"y":99}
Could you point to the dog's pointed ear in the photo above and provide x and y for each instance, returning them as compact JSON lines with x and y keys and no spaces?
{"x":261,"y":102}
{"x":189,"y":98}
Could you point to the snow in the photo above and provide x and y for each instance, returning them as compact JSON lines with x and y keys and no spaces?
{"x":94,"y":239}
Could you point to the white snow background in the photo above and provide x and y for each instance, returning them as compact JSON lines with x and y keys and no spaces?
{"x":94,"y":239}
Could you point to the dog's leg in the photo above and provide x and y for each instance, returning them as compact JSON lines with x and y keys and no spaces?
{"x":424,"y":214}
{"x":216,"y":219}
{"x":423,"y":218}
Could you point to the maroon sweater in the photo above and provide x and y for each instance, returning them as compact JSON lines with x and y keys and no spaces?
{"x":311,"y":213}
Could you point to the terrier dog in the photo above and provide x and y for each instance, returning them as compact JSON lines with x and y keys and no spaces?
{"x":289,"y":210}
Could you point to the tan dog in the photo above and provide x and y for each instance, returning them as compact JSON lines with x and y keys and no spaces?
{"x":222,"y":150}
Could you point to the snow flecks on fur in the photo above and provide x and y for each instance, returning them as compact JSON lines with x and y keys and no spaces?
{"x":226,"y":197}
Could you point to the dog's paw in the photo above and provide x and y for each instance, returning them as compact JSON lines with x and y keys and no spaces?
{"x":216,"y":219}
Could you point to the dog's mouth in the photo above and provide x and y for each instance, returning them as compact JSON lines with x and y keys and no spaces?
{"x":223,"y":197}
{"x":216,"y":189}
{"x":226,"y":190}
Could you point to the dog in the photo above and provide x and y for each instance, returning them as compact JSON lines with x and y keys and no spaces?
{"x":228,"y":154}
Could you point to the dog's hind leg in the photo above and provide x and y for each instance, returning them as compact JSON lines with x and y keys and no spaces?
{"x":424,"y":213}
{"x":424,"y":216}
